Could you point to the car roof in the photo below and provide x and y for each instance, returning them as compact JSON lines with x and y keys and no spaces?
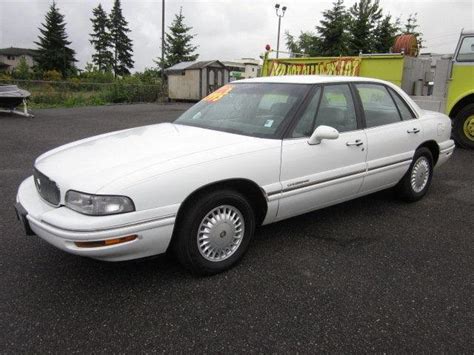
{"x":308,"y":79}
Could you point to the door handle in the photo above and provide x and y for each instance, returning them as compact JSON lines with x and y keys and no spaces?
{"x":414,"y":130}
{"x":357,"y":143}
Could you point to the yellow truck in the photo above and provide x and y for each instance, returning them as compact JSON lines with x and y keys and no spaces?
{"x":445,"y":85}
{"x":460,"y":93}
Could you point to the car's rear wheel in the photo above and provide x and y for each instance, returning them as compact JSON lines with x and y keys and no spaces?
{"x":214,"y":232}
{"x":463,"y":129}
{"x":417,"y":180}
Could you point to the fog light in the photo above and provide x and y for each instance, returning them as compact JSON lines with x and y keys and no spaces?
{"x":106,"y":242}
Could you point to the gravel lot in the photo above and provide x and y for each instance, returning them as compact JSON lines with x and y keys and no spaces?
{"x":374,"y":274}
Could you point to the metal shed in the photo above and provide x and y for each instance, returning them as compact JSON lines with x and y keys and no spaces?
{"x":195,"y":80}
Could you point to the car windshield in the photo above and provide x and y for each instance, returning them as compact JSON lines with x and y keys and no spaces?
{"x":253,"y":109}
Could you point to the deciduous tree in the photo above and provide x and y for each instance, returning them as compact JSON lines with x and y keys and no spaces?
{"x":307,"y":43}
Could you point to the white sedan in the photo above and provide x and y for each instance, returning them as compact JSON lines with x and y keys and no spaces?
{"x":254,"y":152}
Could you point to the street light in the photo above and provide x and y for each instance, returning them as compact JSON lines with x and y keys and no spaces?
{"x":280,"y":14}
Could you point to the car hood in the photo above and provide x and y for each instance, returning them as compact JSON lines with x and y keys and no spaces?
{"x":90,"y":164}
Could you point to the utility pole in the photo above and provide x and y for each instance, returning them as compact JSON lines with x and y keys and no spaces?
{"x":163,"y":47}
{"x":280,"y":14}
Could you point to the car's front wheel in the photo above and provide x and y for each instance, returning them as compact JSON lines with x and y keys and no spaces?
{"x":214,"y":232}
{"x":417,"y":180}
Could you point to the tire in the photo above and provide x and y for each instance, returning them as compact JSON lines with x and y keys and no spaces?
{"x":417,"y":180}
{"x":463,"y":128}
{"x":191,"y":239}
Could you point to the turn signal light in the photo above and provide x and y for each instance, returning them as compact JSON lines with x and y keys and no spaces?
{"x":106,"y":242}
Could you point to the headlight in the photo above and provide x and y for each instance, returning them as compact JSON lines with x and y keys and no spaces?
{"x":98,"y":205}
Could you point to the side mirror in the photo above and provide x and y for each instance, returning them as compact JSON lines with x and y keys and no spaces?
{"x":323,"y":132}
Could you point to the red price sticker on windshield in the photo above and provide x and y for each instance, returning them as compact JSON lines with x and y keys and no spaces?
{"x":219,"y":93}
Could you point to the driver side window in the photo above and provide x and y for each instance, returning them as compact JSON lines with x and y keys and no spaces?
{"x":336,"y":109}
{"x":305,"y":126}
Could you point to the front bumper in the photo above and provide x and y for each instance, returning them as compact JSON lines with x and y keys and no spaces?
{"x":63,"y":227}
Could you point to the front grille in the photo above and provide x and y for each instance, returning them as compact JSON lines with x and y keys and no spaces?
{"x":47,"y":188}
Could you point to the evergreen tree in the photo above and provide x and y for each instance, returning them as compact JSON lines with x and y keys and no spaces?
{"x":121,"y":43}
{"x":385,"y":33}
{"x":22,"y":71}
{"x":411,"y":27}
{"x":178,"y":46}
{"x":333,"y":30}
{"x":101,"y":40}
{"x":54,"y":52}
{"x":364,"y":16}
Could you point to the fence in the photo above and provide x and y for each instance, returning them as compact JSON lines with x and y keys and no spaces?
{"x":80,"y":93}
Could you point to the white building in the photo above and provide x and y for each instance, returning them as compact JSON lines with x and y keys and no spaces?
{"x":244,"y":68}
{"x":10,"y":58}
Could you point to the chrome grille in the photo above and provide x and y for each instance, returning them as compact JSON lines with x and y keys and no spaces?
{"x":47,"y":188}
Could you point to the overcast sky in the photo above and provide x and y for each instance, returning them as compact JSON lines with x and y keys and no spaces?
{"x":225,"y":29}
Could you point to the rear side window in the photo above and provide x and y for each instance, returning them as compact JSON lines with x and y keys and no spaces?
{"x":405,"y":111}
{"x":379,"y":108}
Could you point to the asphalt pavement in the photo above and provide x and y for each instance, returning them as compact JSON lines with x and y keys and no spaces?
{"x":371,"y":275}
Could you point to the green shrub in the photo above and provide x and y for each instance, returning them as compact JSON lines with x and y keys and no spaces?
{"x":92,"y":75}
{"x":149,"y":76}
{"x":52,"y":75}
{"x":5,"y":77}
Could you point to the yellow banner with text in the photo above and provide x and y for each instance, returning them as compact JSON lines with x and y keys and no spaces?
{"x":347,"y":66}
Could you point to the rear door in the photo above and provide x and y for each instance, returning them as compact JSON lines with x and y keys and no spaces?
{"x":393,"y":134}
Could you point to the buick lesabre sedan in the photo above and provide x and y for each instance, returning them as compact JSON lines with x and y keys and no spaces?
{"x":253,"y":152}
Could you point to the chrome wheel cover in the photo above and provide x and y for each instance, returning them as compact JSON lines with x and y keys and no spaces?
{"x":420,"y":174}
{"x":220,"y":233}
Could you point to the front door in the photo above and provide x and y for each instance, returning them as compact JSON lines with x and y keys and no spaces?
{"x":314,"y":176}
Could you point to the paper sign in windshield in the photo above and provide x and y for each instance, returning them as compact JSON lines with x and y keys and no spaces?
{"x":268,"y":123}
{"x":219,"y":93}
